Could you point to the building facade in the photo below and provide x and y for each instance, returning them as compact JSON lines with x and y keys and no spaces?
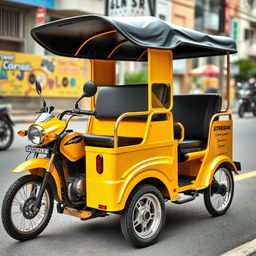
{"x":18,"y":17}
{"x":247,"y":30}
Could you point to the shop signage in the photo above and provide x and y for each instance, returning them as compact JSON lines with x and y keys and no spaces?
{"x":130,"y":8}
{"x":50,"y":4}
{"x":59,"y":77}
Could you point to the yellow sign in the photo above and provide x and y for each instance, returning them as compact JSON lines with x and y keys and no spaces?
{"x":59,"y":77}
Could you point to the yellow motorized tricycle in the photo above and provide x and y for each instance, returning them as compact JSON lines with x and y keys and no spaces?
{"x":142,"y":146}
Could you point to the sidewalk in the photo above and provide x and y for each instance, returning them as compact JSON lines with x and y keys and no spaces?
{"x":247,"y":249}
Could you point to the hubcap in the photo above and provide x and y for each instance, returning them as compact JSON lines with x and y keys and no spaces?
{"x":29,"y":211}
{"x":25,"y":218}
{"x":221,"y":189}
{"x":147,"y":216}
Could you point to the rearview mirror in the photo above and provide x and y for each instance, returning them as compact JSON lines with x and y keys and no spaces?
{"x":38,"y":87}
{"x":90,"y":89}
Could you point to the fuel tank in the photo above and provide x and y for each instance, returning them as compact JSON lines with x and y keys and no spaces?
{"x":72,"y":146}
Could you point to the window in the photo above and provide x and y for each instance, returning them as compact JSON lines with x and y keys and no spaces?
{"x":11,"y":28}
{"x":249,"y":35}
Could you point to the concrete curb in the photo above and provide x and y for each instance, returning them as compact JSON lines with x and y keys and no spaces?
{"x":247,"y":249}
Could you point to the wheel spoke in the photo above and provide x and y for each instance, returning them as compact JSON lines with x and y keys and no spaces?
{"x":136,"y":222}
{"x":152,"y":216}
{"x":148,"y":203}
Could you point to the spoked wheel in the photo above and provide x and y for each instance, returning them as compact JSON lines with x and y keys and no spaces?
{"x":20,"y":219}
{"x":6,"y":134}
{"x":219,"y":195}
{"x":144,"y":216}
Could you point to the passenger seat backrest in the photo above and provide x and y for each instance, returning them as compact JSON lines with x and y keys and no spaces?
{"x":194,"y":112}
{"x":113,"y":101}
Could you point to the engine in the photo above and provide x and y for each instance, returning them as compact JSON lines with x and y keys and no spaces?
{"x":76,"y":188}
{"x":76,"y":182}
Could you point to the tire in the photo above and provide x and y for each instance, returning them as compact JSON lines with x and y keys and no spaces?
{"x":143,"y":202}
{"x":17,"y":197}
{"x":5,"y":144}
{"x":254,"y":111}
{"x":223,"y":191}
{"x":241,"y":111}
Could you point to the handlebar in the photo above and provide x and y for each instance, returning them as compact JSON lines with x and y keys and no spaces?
{"x":76,"y":111}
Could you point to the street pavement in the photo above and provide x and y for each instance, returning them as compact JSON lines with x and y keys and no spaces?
{"x":189,"y":229}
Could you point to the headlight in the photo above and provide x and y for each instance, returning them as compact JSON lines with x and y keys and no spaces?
{"x":36,"y":134}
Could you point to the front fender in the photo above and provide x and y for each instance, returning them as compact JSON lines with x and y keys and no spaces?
{"x":35,"y":166}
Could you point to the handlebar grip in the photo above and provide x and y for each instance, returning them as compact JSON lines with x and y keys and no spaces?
{"x":86,"y":112}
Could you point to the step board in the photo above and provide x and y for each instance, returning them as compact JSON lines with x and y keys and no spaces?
{"x":185,"y":180}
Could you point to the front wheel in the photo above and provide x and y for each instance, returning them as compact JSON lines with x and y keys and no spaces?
{"x":20,"y":219}
{"x":143,"y":216}
{"x":218,"y":196}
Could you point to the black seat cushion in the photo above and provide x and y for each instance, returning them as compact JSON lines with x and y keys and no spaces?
{"x":113,"y":101}
{"x":108,"y":141}
{"x":194,"y":112}
{"x":188,"y":146}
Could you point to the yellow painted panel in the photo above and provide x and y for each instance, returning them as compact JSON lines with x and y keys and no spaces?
{"x":219,"y":150}
{"x":103,"y":72}
{"x":126,"y":128}
{"x":122,"y":172}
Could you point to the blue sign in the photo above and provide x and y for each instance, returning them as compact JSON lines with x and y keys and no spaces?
{"x":50,"y":4}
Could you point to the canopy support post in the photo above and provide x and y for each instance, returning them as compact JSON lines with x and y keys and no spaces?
{"x":228,"y":82}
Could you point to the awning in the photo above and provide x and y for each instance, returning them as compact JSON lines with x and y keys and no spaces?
{"x":206,"y":70}
{"x":126,"y":38}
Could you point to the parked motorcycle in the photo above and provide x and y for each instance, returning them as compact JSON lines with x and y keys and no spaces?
{"x":247,"y":98}
{"x":6,"y":126}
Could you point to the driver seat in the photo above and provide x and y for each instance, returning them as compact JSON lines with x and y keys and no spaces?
{"x":113,"y":101}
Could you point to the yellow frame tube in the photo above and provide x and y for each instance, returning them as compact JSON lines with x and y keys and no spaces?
{"x":120,"y":44}
{"x":160,"y":71}
{"x":142,"y":54}
{"x":228,"y":82}
{"x":91,"y":38}
{"x":182,"y":131}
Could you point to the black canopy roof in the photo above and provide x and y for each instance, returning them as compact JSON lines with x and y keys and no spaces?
{"x":126,"y":38}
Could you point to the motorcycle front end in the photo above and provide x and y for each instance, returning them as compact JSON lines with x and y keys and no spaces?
{"x":28,"y":204}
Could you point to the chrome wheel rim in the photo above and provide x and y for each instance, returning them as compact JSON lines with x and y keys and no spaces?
{"x":221,"y":192}
{"x":146,"y":216}
{"x":23,"y":217}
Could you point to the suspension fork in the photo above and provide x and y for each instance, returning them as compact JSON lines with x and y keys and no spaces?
{"x":45,"y":179}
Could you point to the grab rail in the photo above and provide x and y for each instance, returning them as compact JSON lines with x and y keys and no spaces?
{"x":127,"y":114}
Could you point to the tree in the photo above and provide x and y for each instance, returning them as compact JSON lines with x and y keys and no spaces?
{"x":140,"y":77}
{"x":247,"y":70}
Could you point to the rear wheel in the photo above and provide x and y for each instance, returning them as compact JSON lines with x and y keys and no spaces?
{"x":20,"y":220}
{"x":218,"y":196}
{"x":144,"y":216}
